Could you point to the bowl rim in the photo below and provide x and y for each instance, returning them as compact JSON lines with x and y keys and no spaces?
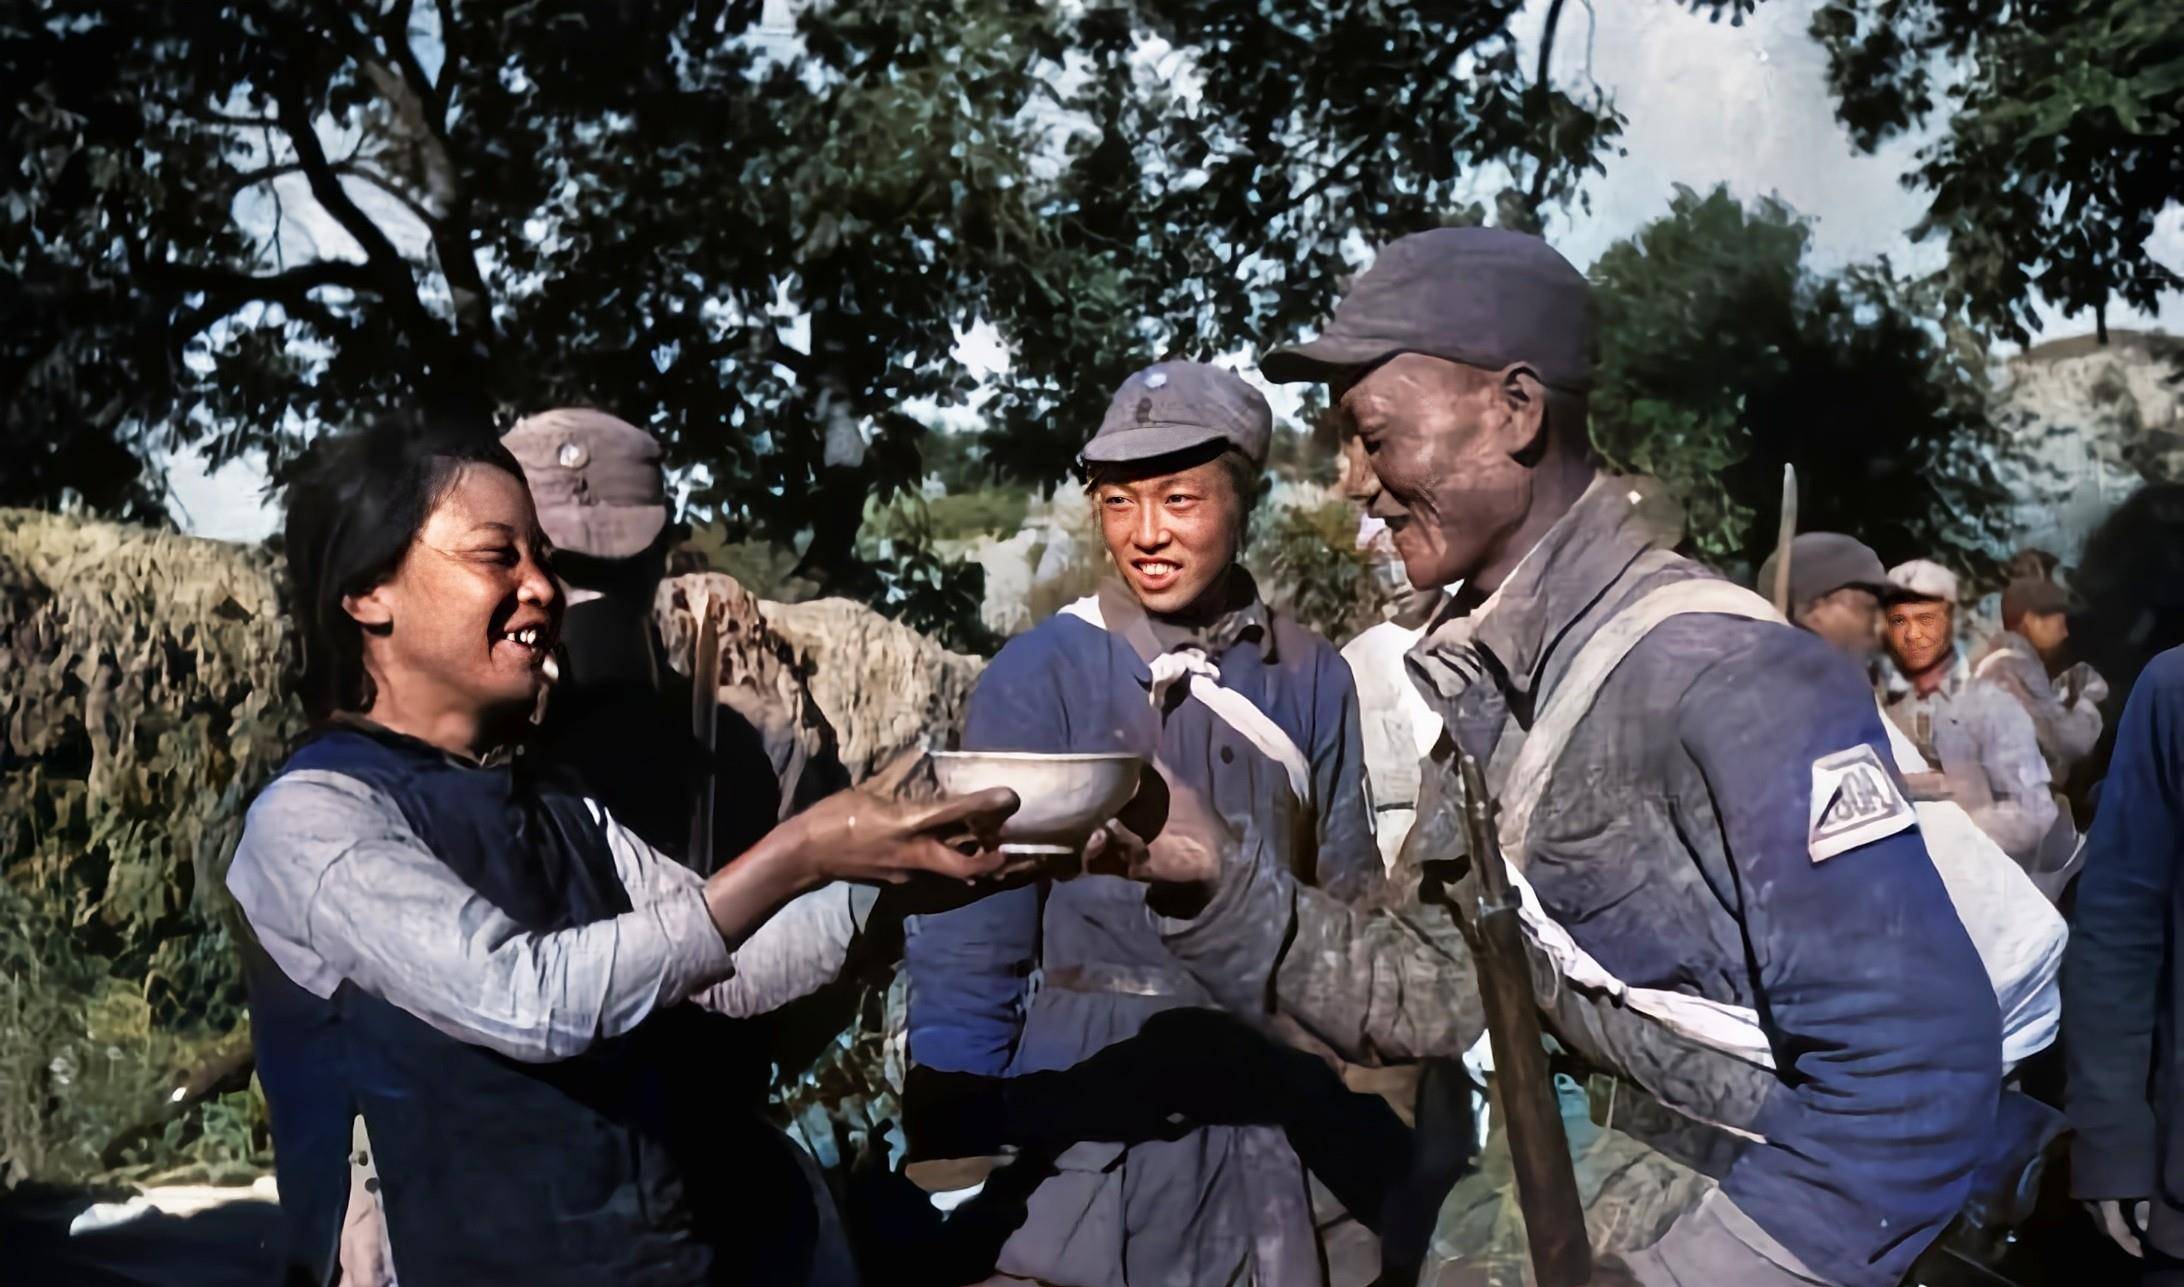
{"x":1039,"y":757}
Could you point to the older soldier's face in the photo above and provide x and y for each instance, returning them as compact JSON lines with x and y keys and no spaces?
{"x":1920,"y":632}
{"x":1439,"y":436}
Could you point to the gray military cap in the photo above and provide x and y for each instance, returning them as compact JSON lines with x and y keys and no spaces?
{"x":595,"y":480}
{"x":1822,"y":563}
{"x":1174,"y":406}
{"x":1485,"y":297}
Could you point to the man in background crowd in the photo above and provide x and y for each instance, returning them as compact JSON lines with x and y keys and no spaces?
{"x":1836,"y":585}
{"x":1983,"y":746}
{"x":2025,"y":659}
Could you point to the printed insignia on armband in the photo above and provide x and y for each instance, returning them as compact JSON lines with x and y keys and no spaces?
{"x":1854,"y":802}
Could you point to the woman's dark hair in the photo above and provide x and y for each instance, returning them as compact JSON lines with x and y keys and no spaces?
{"x":356,"y":501}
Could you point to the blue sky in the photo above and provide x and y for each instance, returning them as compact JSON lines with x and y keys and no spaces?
{"x":1706,"y":103}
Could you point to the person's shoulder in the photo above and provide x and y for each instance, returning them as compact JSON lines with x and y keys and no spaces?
{"x":1992,"y":701}
{"x":1305,"y":650}
{"x":1294,"y":638}
{"x":1703,"y":643}
{"x":1062,"y":652}
{"x":1744,"y":678}
{"x":2164,"y":675}
{"x":1061,"y":637}
{"x":315,"y":796}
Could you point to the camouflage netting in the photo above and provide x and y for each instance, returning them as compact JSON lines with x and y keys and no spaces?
{"x":141,"y":705}
{"x":883,"y":686}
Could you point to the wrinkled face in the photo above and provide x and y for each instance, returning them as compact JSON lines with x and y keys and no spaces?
{"x":2045,"y":631}
{"x":1172,"y":537}
{"x":1920,"y":632}
{"x":1848,"y":618}
{"x":1438,"y":439}
{"x":464,"y":624}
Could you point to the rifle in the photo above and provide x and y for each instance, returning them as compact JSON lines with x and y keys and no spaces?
{"x":1539,"y":1152}
{"x":704,"y":725}
{"x":1785,"y":536}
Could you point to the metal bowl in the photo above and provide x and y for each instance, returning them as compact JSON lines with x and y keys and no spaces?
{"x":1065,"y":797}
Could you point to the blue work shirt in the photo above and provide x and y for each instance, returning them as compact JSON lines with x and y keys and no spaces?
{"x":1068,"y":685}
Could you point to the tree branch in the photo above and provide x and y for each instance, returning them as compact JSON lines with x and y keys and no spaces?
{"x":1327,"y":177}
{"x":226,"y":291}
{"x":444,"y":90}
{"x":387,"y":185}
{"x":394,"y":37}
{"x":1539,"y":101}
{"x":391,"y":272}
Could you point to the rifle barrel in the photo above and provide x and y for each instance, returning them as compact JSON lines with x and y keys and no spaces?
{"x":1539,"y":1151}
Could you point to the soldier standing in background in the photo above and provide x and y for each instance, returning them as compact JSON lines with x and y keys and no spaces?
{"x":1982,"y":744}
{"x":1836,"y":584}
{"x":601,"y":497}
{"x":619,"y":719}
{"x":2024,"y":659}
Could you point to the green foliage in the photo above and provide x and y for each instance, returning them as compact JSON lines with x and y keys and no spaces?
{"x":86,"y":1067}
{"x":902,"y":575}
{"x":765,"y":258}
{"x":142,"y":709}
{"x":1307,"y":563}
{"x":1723,"y":357}
{"x":989,"y":511}
{"x":2061,"y":144}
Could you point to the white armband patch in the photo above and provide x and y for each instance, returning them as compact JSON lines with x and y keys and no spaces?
{"x":1854,"y":802}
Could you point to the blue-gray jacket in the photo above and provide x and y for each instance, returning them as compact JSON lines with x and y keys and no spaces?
{"x":1674,"y":841}
{"x":1197,"y":1210}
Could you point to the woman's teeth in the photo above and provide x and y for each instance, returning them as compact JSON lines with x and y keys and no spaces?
{"x":528,"y":636}
{"x":1151,"y":568}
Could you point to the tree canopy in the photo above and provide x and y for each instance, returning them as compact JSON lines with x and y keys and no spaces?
{"x":763,"y":249}
{"x":1724,"y":356}
{"x":2063,"y":139}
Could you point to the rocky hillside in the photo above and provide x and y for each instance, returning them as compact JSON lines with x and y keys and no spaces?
{"x":2098,"y":420}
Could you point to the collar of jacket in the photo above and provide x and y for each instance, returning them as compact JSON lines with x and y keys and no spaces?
{"x":1558,"y":581}
{"x":354,"y":721}
{"x":1126,"y":617}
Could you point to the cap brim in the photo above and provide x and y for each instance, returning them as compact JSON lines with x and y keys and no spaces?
{"x":1148,"y":443}
{"x":1324,"y":360}
{"x":604,"y":531}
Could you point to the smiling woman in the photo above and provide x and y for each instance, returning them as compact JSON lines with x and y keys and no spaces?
{"x":465,"y":951}
{"x":430,"y":525}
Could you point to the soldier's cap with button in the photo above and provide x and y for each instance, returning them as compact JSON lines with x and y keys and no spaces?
{"x":1174,"y":407}
{"x":1822,"y":563}
{"x":1486,"y":297}
{"x":1921,"y":579}
{"x":595,"y":480}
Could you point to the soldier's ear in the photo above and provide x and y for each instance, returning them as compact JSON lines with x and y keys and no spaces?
{"x":1522,"y":400}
